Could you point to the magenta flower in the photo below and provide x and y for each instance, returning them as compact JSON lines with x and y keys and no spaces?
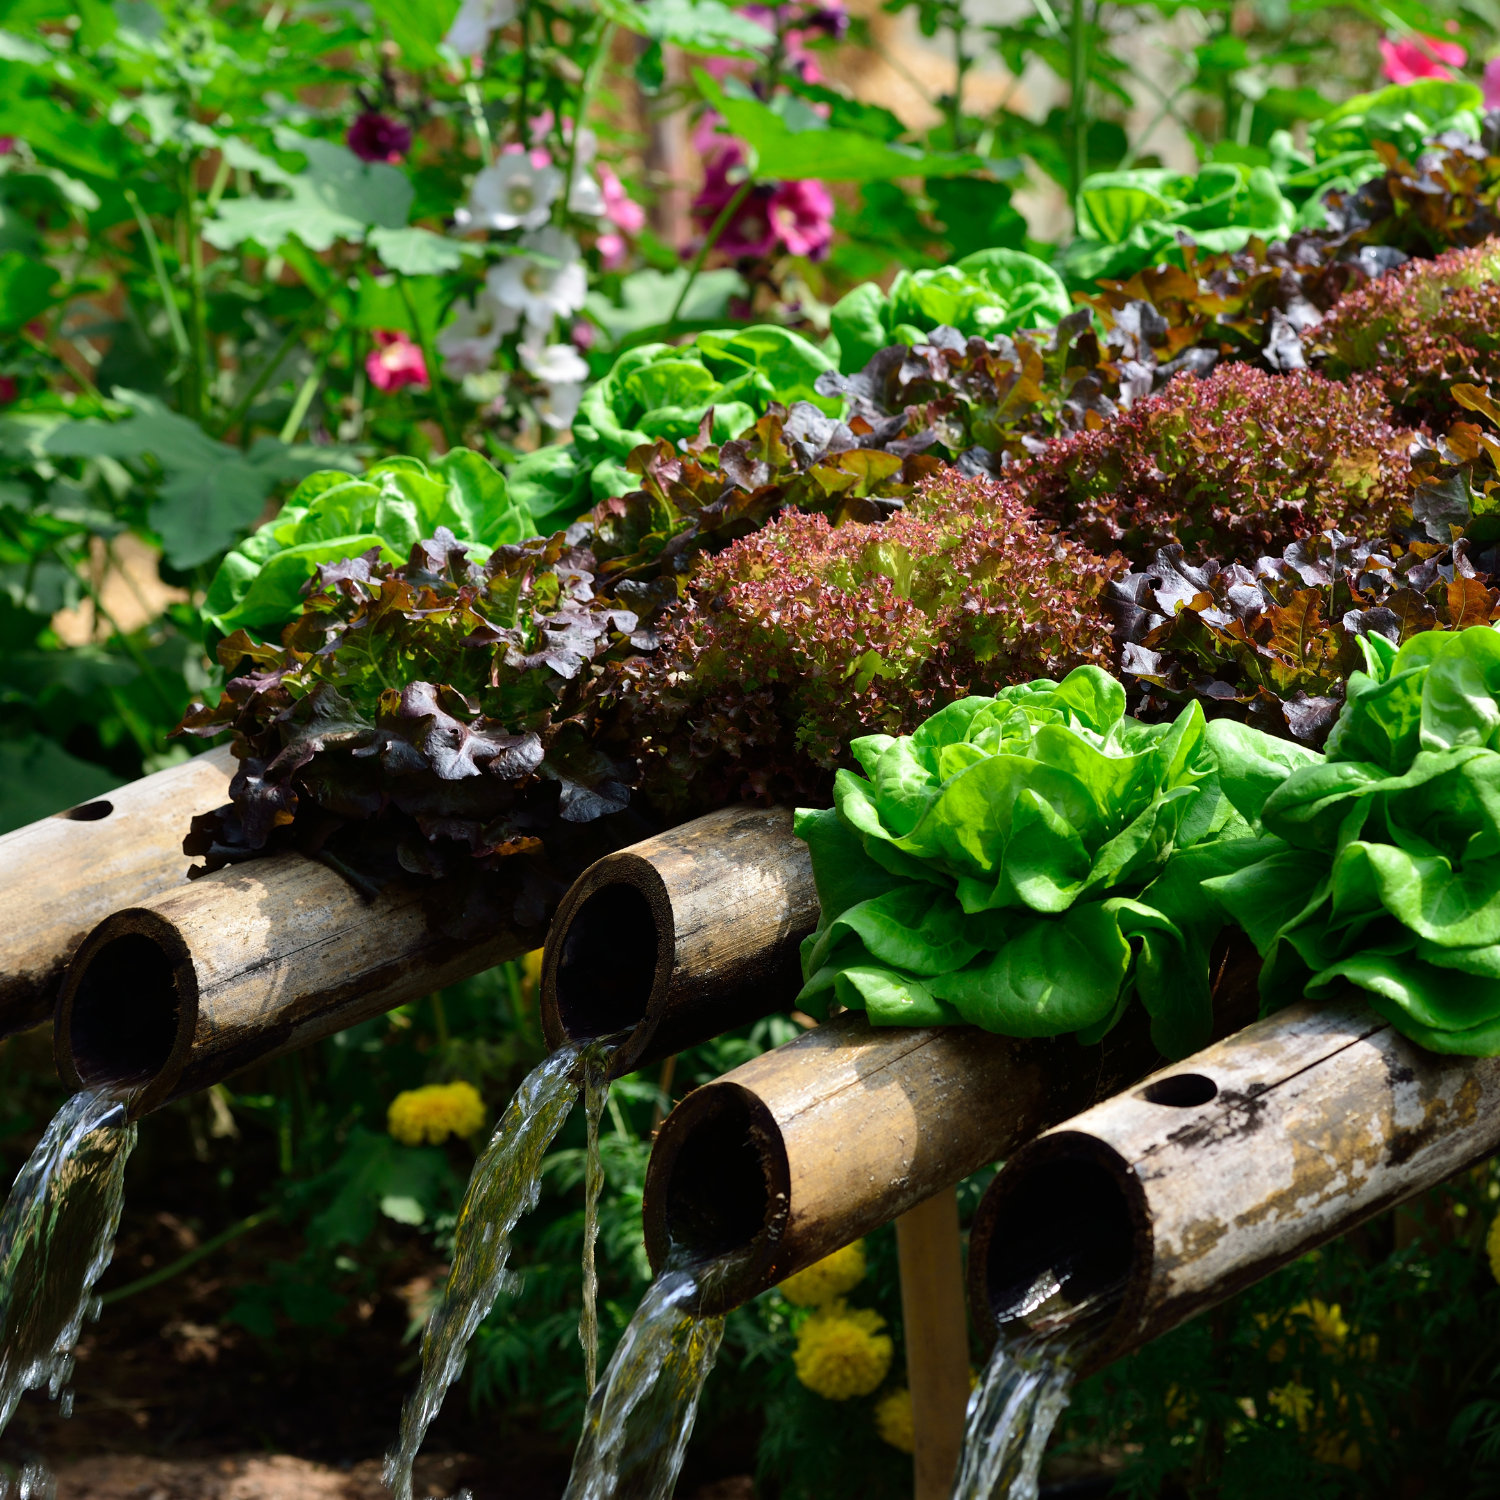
{"x":1492,"y":83}
{"x":749,"y":234}
{"x":802,"y":215}
{"x":376,"y":137}
{"x":1417,"y":57}
{"x":395,"y":362}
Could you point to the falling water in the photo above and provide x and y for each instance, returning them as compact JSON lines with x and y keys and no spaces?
{"x":35,"y":1482}
{"x":595,"y":1096}
{"x":506,"y":1183}
{"x":57,"y":1234}
{"x":638,"y":1421}
{"x":1027,"y":1385}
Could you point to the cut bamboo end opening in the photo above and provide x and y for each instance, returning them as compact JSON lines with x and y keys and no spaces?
{"x":850,"y":1125}
{"x":62,"y":875}
{"x":170,"y":996}
{"x":1176,"y":1195}
{"x":681,"y":937}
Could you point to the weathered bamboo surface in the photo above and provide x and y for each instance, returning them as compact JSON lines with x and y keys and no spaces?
{"x":935,"y":1331}
{"x":855,"y":1125}
{"x":61,"y":875}
{"x":1320,"y":1117}
{"x":682,"y":936}
{"x":180,"y":991}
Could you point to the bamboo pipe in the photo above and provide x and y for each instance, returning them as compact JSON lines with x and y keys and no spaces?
{"x":65,"y":873}
{"x":812,"y":1145}
{"x":173,"y":994}
{"x":681,"y":937}
{"x":1223,"y":1168}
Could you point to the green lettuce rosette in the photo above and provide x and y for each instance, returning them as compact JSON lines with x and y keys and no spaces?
{"x":1381,"y":866}
{"x":1025,"y":863}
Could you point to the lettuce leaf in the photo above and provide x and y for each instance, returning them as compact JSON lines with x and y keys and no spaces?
{"x":1381,"y":866}
{"x":331,"y":516}
{"x":1024,"y":863}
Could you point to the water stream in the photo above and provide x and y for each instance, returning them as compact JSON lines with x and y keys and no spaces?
{"x":506,"y":1183}
{"x":636,"y":1428}
{"x":57,"y":1234}
{"x":1026,"y":1387}
{"x":595,"y":1097}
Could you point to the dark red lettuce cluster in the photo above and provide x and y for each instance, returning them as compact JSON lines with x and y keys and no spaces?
{"x":1236,"y":464}
{"x":805,"y":635}
{"x":1272,"y":643}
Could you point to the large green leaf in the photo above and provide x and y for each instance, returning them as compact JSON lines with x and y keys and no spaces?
{"x":38,"y":777}
{"x":794,"y":142}
{"x":694,"y":25}
{"x":26,"y":289}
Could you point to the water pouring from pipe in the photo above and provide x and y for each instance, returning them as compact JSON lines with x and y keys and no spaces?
{"x":505,"y":1184}
{"x":57,"y":1235}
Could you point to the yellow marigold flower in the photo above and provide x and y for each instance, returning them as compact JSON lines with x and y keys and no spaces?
{"x":1328,"y":1323}
{"x":893,"y":1420}
{"x":1492,"y":1244}
{"x":1294,"y":1401}
{"x":531,"y":967}
{"x":828,"y":1278}
{"x":842,"y":1352}
{"x":434,"y":1113}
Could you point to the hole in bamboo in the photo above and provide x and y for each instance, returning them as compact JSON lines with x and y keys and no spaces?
{"x":124,"y":1018}
{"x":1064,"y":1226}
{"x":718,"y":1192}
{"x":88,"y":812}
{"x":1180,"y":1090}
{"x":607,"y":967}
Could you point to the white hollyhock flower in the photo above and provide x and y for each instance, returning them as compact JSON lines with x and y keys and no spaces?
{"x":476,"y":22}
{"x":587,"y":197}
{"x":554,"y":363}
{"x":472,"y":334}
{"x":541,"y":290}
{"x":514,"y":194}
{"x":559,"y":404}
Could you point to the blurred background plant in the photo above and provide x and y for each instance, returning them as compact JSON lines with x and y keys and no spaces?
{"x":244,"y":243}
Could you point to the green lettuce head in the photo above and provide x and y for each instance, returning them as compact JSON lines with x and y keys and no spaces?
{"x":987,"y":293}
{"x":1002,"y":865}
{"x":1381,"y":865}
{"x":1405,"y":114}
{"x":332,"y":515}
{"x":664,"y":391}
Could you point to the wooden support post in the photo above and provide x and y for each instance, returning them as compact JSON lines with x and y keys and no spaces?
{"x":937,"y":1338}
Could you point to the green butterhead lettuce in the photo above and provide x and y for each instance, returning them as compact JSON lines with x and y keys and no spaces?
{"x":986,"y":293}
{"x":1382,"y":866}
{"x":332,"y":515}
{"x":1026,"y":862}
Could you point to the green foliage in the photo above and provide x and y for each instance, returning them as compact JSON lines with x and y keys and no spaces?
{"x":988,"y":292}
{"x":1404,"y":114}
{"x":1382,"y":866}
{"x":996,"y":865}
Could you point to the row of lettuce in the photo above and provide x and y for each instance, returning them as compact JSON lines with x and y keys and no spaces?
{"x":1245,"y":497}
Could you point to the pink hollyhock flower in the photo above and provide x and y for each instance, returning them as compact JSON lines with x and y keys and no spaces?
{"x":1414,"y":58}
{"x":750,"y":233}
{"x":612,"y":250}
{"x":1492,"y":83}
{"x":395,"y":362}
{"x":619,"y":207}
{"x":801,"y":213}
{"x":376,"y":137}
{"x":9,"y":390}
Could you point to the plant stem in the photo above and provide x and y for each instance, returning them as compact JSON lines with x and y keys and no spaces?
{"x":201,"y":377}
{"x":481,"y":124}
{"x":960,"y":67}
{"x":585,"y":99}
{"x":1078,"y":79}
{"x":254,"y":1221}
{"x":298,"y":414}
{"x":439,"y":1017}
{"x":429,"y":355}
{"x":159,"y":266}
{"x":521,"y":132}
{"x":725,"y":215}
{"x":243,"y":405}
